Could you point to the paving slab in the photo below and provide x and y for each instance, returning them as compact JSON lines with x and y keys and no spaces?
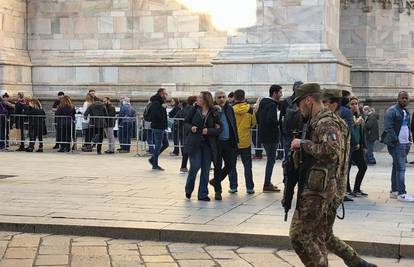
{"x":118,"y":196}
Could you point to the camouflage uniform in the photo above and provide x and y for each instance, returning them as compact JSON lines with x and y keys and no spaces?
{"x":311,"y":231}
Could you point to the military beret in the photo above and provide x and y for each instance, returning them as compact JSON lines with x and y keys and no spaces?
{"x":306,"y":89}
{"x":331,"y":93}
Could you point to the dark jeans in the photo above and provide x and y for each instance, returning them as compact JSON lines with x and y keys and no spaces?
{"x":270,"y":149}
{"x":399,"y":159}
{"x":199,"y":159}
{"x":184,"y":161}
{"x":358,"y":158}
{"x":227,"y":153}
{"x":246,"y":157}
{"x":150,"y":141}
{"x":125,"y":135}
{"x":161,"y":144}
{"x":370,"y":152}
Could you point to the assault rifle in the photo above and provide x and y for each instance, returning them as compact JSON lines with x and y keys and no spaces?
{"x":293,"y":175}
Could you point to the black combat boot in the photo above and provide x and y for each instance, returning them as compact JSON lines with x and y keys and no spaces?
{"x":364,"y":263}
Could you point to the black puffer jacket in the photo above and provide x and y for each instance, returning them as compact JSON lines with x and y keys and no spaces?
{"x":268,"y":121}
{"x":98,"y":112}
{"x":158,"y":113}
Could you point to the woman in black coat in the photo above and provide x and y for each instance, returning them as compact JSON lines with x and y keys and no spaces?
{"x":203,"y":127}
{"x":37,"y":125}
{"x":65,"y":117}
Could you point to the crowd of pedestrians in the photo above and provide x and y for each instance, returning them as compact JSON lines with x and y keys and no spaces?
{"x":212,"y":131}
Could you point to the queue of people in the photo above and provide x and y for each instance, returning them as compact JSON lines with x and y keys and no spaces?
{"x":98,"y":118}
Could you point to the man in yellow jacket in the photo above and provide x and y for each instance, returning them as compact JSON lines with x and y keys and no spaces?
{"x":245,"y":121}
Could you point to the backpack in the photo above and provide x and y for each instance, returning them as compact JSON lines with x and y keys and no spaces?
{"x":293,"y":119}
{"x":147,"y":112}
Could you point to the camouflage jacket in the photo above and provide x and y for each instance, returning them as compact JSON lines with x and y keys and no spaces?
{"x":328,"y":144}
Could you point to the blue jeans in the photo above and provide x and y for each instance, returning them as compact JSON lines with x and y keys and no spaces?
{"x":199,"y":159}
{"x":270,"y":149}
{"x":246,"y":157}
{"x":161,"y":144}
{"x":399,"y":158}
{"x":370,"y":152}
{"x":125,"y":135}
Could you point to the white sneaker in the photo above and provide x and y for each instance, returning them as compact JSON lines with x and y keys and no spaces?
{"x":406,"y":198}
{"x":394,"y":195}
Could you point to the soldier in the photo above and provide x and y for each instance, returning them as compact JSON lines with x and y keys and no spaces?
{"x":324,"y":154}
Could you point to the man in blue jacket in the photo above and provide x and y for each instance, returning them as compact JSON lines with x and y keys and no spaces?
{"x":397,"y":137}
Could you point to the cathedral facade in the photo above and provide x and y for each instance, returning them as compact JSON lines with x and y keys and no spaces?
{"x":132,"y":47}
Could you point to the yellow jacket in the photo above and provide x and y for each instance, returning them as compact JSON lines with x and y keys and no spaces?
{"x":245,"y":121}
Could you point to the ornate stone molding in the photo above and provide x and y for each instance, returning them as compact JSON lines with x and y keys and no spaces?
{"x":368,"y":5}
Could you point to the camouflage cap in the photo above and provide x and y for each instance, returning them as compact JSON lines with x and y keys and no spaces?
{"x":306,"y":89}
{"x":331,"y":93}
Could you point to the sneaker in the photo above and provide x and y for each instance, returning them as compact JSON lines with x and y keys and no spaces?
{"x":406,"y":198}
{"x":359,"y":193}
{"x":109,"y":152}
{"x":204,"y":199}
{"x":232,"y":191}
{"x":40,"y":150}
{"x":183,"y":170}
{"x":250,"y":191}
{"x":158,"y":168}
{"x":394,"y":195}
{"x":270,"y":188}
{"x":218,"y":196}
{"x":347,"y":199}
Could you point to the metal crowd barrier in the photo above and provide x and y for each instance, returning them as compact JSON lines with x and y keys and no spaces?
{"x":127,"y":134}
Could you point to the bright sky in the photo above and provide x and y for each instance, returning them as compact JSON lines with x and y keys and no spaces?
{"x":226,"y":14}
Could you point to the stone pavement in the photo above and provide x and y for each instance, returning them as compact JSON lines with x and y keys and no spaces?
{"x":21,"y":250}
{"x":119,"y":196}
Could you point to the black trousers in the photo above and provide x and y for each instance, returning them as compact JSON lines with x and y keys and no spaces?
{"x":359,"y":159}
{"x":98,"y":138}
{"x":227,"y":154}
{"x":35,"y":134}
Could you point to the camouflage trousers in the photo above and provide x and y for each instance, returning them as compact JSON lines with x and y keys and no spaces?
{"x":311,"y":231}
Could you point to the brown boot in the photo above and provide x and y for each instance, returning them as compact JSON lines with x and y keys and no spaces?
{"x":271,"y":188}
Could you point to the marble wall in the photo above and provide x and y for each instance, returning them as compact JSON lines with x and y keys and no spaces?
{"x":131,"y":47}
{"x":380,"y":46}
{"x":15,"y":70}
